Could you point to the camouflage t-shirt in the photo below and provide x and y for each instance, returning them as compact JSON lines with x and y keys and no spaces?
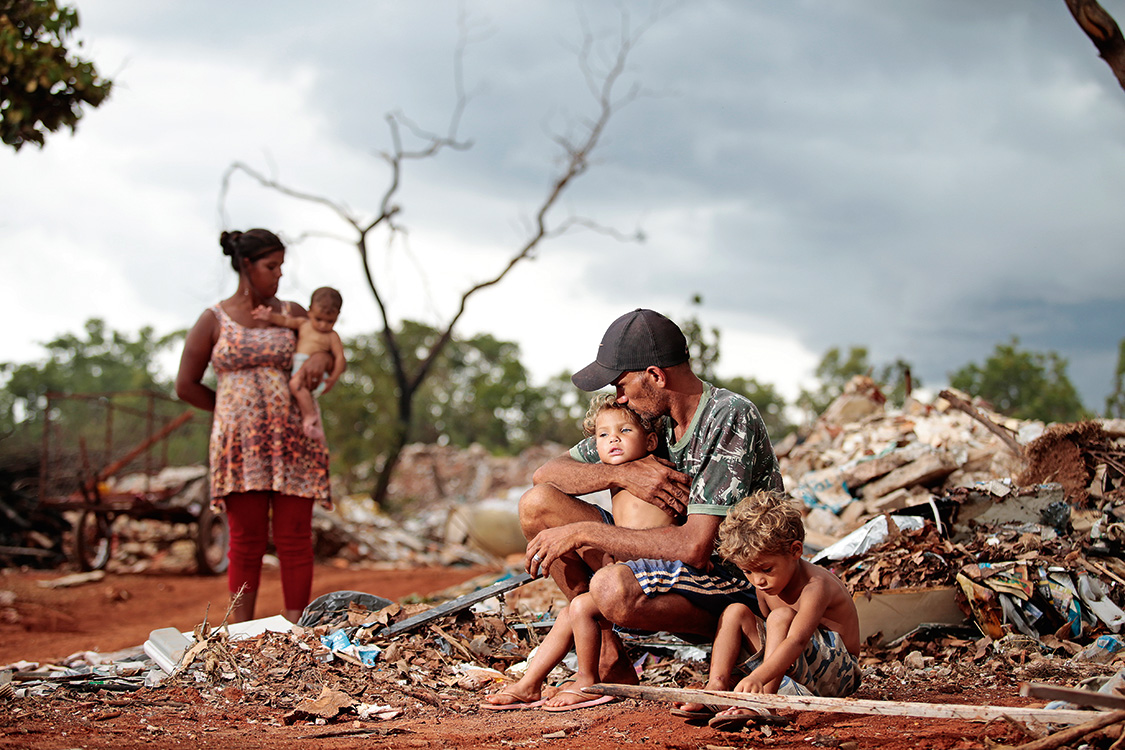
{"x":725,"y":451}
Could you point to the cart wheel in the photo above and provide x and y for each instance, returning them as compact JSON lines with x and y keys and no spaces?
{"x":212,"y":542}
{"x":93,"y":540}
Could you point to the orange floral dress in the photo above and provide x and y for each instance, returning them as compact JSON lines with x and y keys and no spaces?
{"x":256,"y":438}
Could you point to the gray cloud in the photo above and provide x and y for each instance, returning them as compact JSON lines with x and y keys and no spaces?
{"x":925,"y":179}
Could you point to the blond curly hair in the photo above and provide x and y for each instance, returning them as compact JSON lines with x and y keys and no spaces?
{"x":604,"y":402}
{"x":765,"y":523}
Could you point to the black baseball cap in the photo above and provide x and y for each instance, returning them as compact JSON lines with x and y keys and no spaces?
{"x":636,"y":340}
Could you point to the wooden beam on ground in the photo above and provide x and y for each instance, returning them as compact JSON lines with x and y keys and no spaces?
{"x":1067,"y":736}
{"x":1077,"y":696}
{"x":843,"y":705}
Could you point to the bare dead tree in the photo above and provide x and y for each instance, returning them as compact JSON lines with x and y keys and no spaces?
{"x":1103,"y":32}
{"x":602,"y":73}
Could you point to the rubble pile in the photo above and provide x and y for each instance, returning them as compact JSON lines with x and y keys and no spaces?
{"x":1086,"y":458}
{"x":30,"y":534}
{"x":861,"y":459}
{"x":430,"y":476}
{"x":1024,"y":521}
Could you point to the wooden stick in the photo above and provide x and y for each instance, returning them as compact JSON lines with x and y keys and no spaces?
{"x":1099,"y":568}
{"x":1076,"y":696}
{"x":961,"y":404}
{"x":842,"y":705}
{"x":1066,"y":736}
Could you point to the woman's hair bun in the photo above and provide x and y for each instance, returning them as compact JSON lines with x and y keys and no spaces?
{"x":229,"y":242}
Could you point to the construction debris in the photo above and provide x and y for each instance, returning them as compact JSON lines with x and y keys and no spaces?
{"x":983,"y":551}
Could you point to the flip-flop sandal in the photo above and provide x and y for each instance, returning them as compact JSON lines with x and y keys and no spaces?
{"x":584,"y":704}
{"x":513,"y":706}
{"x":738,"y":722}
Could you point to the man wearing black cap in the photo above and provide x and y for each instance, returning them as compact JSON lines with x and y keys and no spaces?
{"x":717,"y":453}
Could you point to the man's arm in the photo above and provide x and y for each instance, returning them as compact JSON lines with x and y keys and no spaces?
{"x":692,"y":543}
{"x":649,"y":478}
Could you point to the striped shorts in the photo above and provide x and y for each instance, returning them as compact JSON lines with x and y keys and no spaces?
{"x":711,"y":590}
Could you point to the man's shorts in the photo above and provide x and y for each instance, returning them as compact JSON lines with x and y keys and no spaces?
{"x":825,"y":668}
{"x":712,"y":590}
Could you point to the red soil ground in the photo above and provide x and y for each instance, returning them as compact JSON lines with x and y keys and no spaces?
{"x":120,"y":611}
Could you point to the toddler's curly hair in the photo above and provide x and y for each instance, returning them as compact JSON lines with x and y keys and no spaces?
{"x":604,"y":401}
{"x":765,"y":523}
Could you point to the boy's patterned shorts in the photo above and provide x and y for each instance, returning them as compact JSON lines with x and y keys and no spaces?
{"x":825,"y":668}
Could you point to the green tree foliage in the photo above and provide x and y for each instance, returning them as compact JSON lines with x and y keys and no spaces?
{"x":1022,"y":384}
{"x":42,"y":86}
{"x":704,"y":353}
{"x":101,"y":361}
{"x":557,"y":413}
{"x":832,"y":374}
{"x":1115,"y":402}
{"x":100,"y":413}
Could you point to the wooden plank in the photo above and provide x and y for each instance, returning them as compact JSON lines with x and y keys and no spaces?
{"x":1077,"y":696}
{"x":999,"y":431}
{"x":1101,"y":720}
{"x":454,"y":606}
{"x":843,"y":705}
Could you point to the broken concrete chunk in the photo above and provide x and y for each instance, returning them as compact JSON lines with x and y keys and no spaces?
{"x":985,"y":506}
{"x":931,"y":467}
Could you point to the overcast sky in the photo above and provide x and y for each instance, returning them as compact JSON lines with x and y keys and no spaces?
{"x":925,"y":179}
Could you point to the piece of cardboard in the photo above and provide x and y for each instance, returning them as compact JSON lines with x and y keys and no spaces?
{"x":896,"y":612}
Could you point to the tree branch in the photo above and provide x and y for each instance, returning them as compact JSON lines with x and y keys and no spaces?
{"x":1103,"y":31}
{"x":603,"y":81}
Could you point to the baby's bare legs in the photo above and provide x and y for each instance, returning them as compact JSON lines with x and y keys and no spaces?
{"x":586,"y":624}
{"x":310,"y":413}
{"x":552,"y":650}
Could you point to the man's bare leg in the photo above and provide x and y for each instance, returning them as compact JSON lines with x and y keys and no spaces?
{"x":547,"y":507}
{"x":622,"y":602}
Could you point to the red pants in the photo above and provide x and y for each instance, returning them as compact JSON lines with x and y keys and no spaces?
{"x":249,"y":517}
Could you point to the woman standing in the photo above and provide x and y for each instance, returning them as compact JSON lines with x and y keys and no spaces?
{"x":264,"y":470}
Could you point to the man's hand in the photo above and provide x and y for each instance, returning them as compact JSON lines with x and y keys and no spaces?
{"x":656,"y":481}
{"x":551,"y":544}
